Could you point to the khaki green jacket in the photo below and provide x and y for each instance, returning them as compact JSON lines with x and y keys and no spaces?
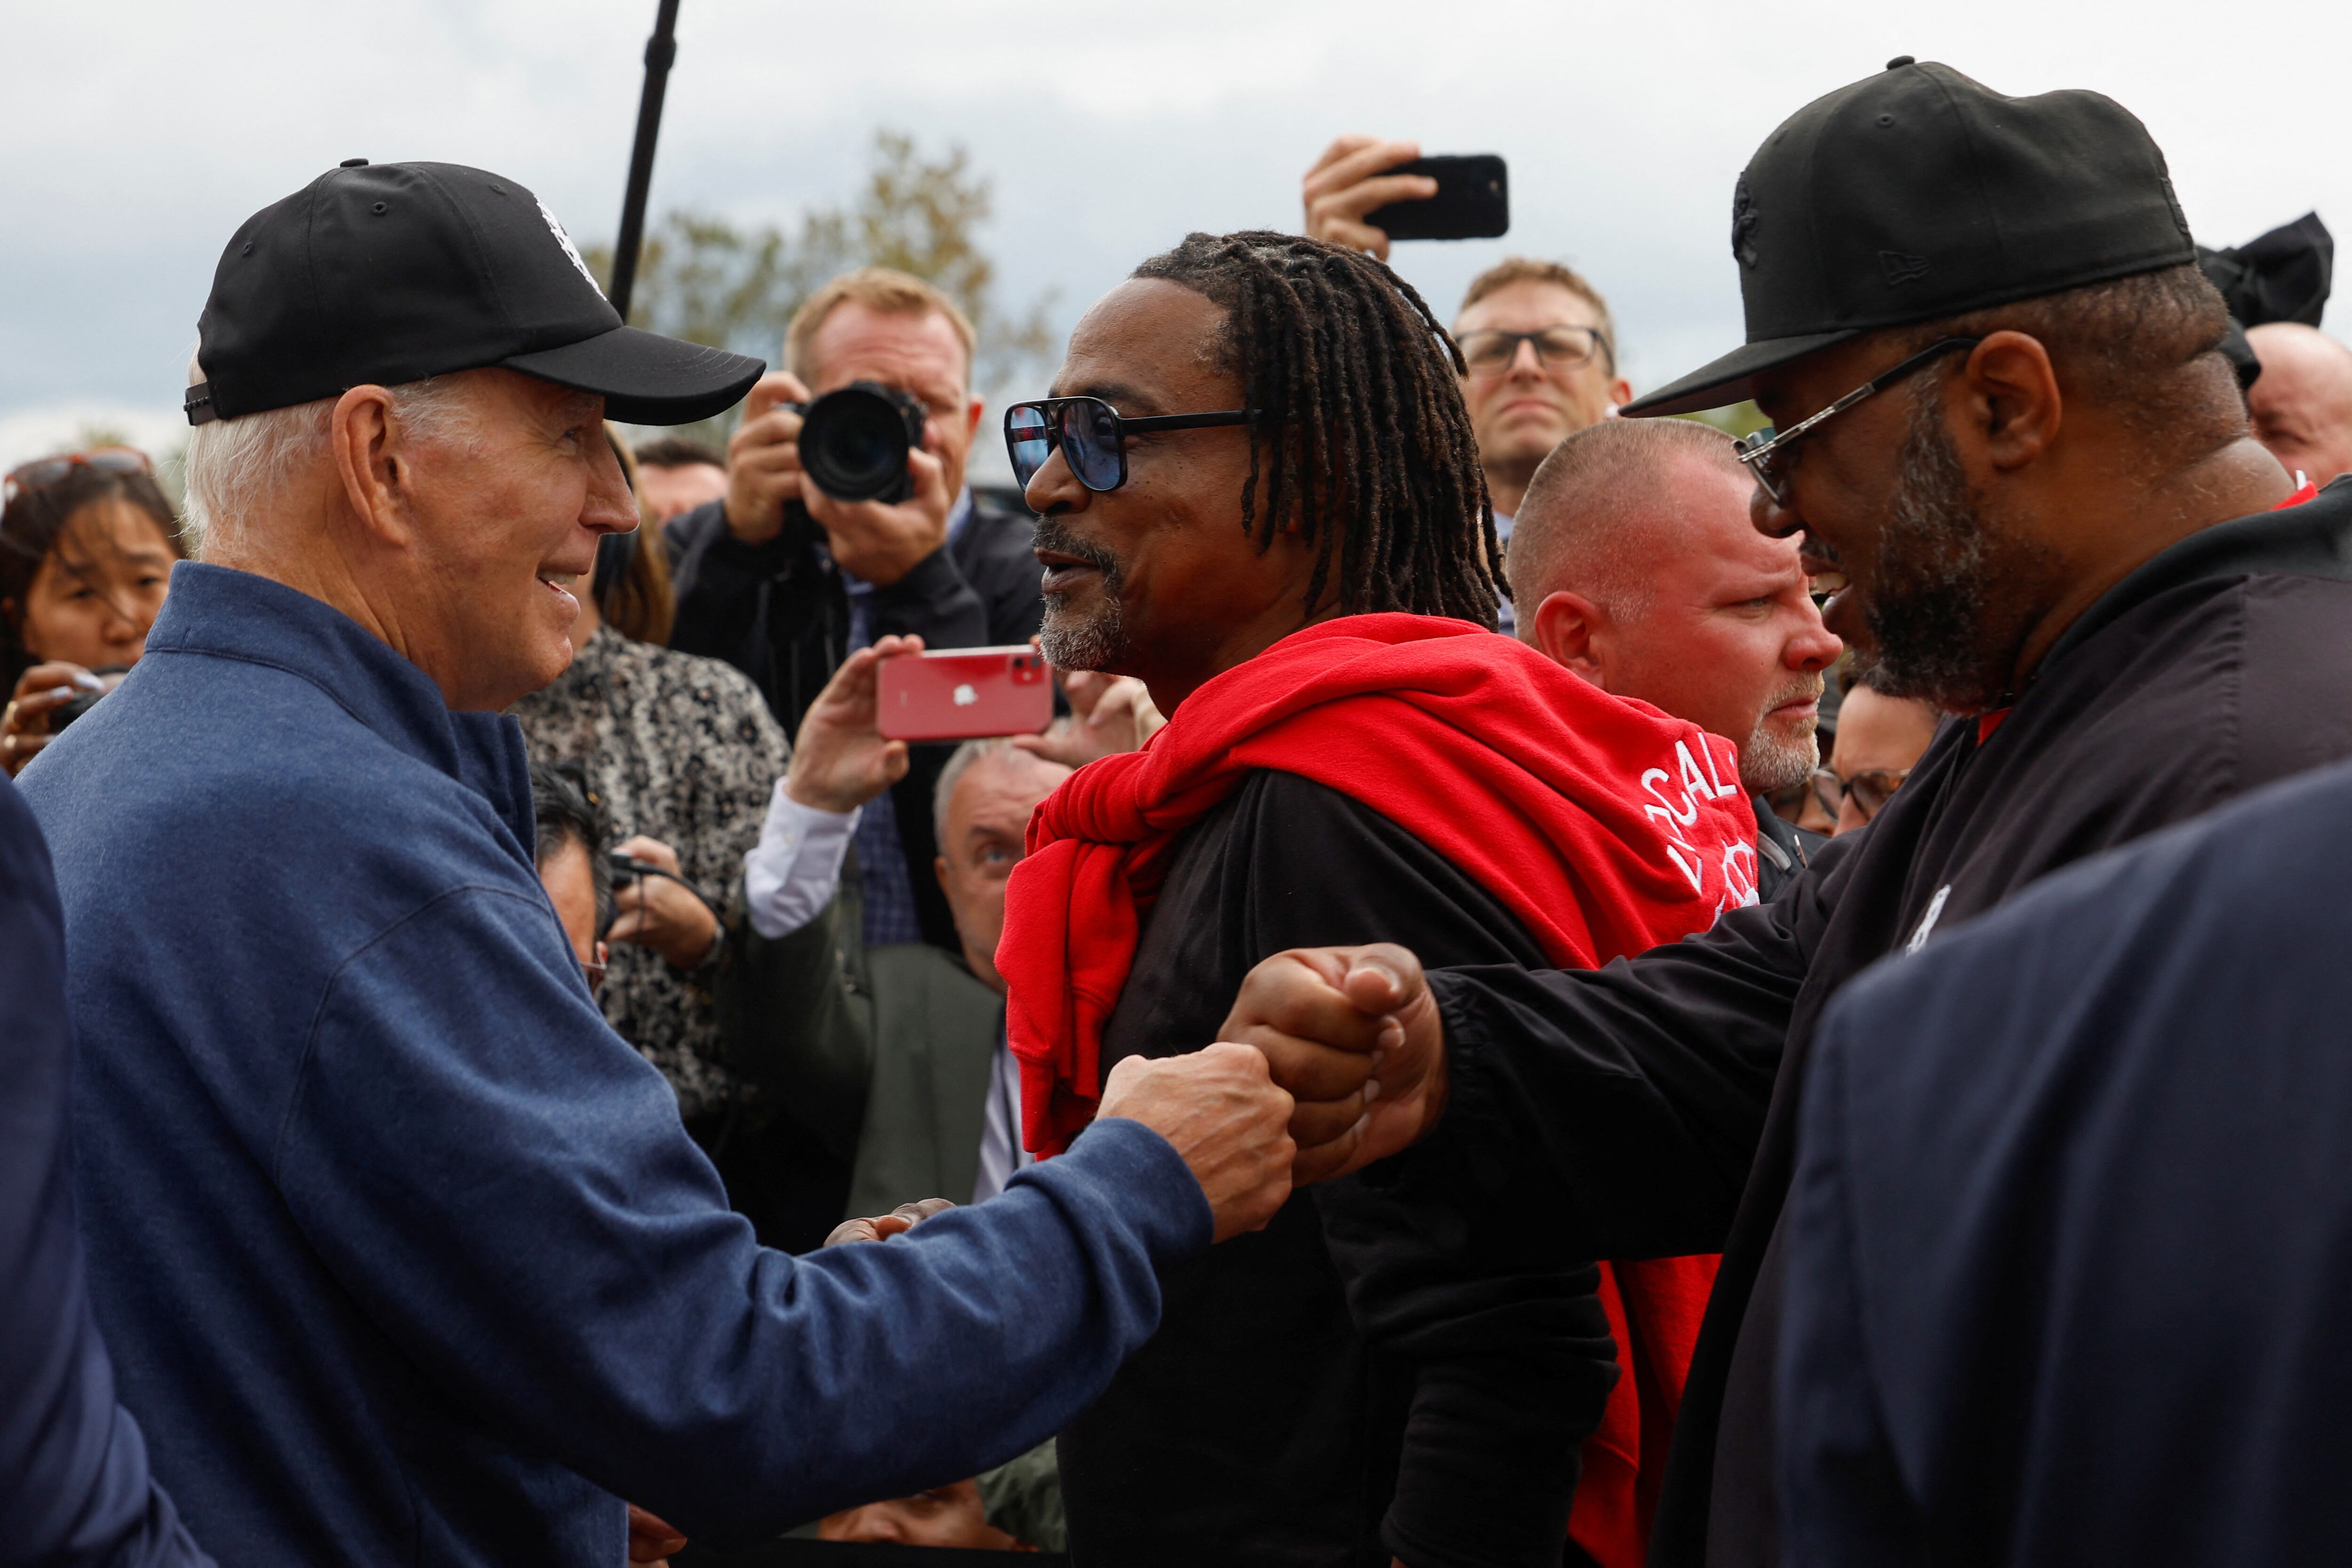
{"x":882,"y":1054}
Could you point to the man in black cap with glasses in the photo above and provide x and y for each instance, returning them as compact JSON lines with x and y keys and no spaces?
{"x":2015,"y":454}
{"x":404,"y":1255}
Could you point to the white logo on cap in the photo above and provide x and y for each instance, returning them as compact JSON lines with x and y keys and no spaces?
{"x":569,"y":249}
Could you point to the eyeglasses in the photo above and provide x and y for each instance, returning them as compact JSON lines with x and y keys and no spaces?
{"x":1766,"y":452}
{"x":42,"y":472}
{"x":1558,"y":348}
{"x":1869,"y":789}
{"x":1092,"y":436}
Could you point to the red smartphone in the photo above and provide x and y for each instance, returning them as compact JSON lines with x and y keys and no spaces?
{"x":960,"y":693}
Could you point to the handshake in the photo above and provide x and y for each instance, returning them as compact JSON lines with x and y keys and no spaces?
{"x":1331,"y":1058}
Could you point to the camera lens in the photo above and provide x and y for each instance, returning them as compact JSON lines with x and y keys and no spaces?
{"x":853,"y":441}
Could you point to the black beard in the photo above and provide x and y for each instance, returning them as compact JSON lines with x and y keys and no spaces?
{"x":1092,"y":640}
{"x":1935,"y":586}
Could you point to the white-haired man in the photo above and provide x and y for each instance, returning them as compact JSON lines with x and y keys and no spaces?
{"x":405,"y":1256}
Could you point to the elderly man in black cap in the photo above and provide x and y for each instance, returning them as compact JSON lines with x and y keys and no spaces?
{"x":404,"y":1255}
{"x":2013,"y":451}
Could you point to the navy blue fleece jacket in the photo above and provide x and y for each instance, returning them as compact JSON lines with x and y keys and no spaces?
{"x":74,"y":1484}
{"x":404,"y":1254}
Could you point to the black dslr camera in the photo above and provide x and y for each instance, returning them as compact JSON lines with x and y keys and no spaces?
{"x":855,"y":440}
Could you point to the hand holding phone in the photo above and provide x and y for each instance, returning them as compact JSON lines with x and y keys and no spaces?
{"x":840,"y":759}
{"x":1472,"y":200}
{"x":1352,"y":177}
{"x":962,"y":694}
{"x":1363,"y":192}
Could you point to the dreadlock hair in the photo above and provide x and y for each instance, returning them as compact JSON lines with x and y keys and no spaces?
{"x":1359,"y":431}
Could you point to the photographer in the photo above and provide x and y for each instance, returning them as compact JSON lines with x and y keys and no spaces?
{"x":87,"y":543}
{"x":1536,"y":338}
{"x":783,"y":579}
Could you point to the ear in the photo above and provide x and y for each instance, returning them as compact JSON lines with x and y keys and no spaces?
{"x":1568,"y":626}
{"x":373,"y":461}
{"x":1620,"y":392}
{"x":940,"y":870}
{"x":2009,"y":406}
{"x":972,"y":417}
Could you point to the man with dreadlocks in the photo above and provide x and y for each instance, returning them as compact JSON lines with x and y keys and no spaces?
{"x":1259,"y":492}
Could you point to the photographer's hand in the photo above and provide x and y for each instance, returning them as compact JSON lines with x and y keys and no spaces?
{"x":25,"y":722}
{"x":1346,"y":183}
{"x":658,"y":914}
{"x":763,"y":459}
{"x":1108,"y":713}
{"x":840,"y":760}
{"x":883,"y":542}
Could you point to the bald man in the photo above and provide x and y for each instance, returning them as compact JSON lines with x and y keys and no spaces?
{"x":2302,"y":402}
{"x":1634,"y":565}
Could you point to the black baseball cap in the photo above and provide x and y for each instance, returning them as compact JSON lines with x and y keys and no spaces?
{"x":1918,"y":193}
{"x":393,"y":273}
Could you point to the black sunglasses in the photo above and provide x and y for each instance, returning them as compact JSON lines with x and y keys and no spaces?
{"x":1092,"y":436}
{"x":1767,"y":453}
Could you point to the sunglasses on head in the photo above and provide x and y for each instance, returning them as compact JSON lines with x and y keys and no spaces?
{"x":1092,"y":437}
{"x":42,"y":472}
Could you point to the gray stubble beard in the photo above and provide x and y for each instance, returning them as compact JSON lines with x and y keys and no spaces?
{"x":1768,"y":763}
{"x":1096,"y":641}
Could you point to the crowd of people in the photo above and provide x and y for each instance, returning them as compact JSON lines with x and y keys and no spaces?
{"x":1560,"y":988}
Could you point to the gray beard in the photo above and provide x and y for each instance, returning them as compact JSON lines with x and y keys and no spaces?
{"x":1082,"y":641}
{"x":1097,"y":641}
{"x":1768,"y":763}
{"x":1934,"y":583}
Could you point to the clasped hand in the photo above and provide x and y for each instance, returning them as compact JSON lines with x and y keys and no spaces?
{"x":1353,"y":1035}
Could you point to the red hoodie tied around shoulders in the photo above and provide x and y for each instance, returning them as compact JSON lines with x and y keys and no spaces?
{"x":1605,"y":825}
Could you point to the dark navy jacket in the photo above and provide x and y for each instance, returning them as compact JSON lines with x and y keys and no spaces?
{"x":74,"y":1485}
{"x":2069,"y":1267}
{"x":1665,"y":1089}
{"x":405,"y":1256}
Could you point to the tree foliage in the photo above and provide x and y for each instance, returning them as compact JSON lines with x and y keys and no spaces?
{"x":705,"y":279}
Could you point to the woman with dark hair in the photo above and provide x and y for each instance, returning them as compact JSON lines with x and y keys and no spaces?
{"x":87,"y":543}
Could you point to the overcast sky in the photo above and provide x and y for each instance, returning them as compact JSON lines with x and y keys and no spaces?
{"x":139,"y":133}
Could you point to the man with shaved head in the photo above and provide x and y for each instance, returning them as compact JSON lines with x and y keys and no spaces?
{"x":1634,"y":565}
{"x":2302,"y":402}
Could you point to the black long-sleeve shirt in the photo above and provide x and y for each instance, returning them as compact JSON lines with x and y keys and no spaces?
{"x":1662,"y":1090}
{"x":1374,"y":1352}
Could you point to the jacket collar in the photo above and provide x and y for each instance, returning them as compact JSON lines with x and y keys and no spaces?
{"x":212,"y":612}
{"x":2310,"y":540}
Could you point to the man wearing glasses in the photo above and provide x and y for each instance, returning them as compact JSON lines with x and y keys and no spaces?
{"x":1538,"y":348}
{"x":1258,"y":493}
{"x":2009,"y":441}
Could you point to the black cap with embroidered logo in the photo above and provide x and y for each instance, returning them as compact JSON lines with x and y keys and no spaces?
{"x":1918,"y":193}
{"x":388,"y":273}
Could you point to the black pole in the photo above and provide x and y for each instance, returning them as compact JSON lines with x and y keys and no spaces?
{"x":661,"y":53}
